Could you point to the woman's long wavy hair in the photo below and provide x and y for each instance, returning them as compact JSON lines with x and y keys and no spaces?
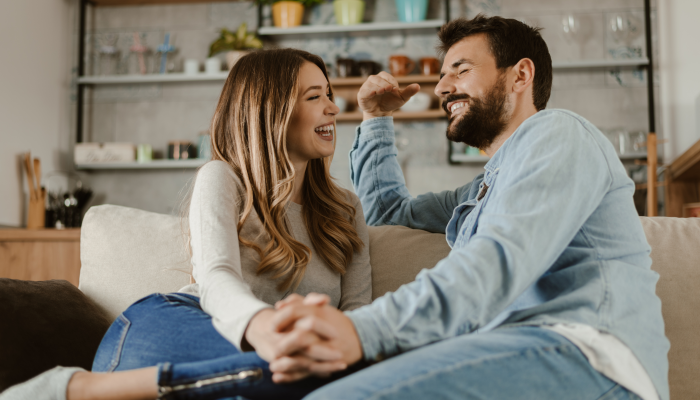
{"x":249,"y":132}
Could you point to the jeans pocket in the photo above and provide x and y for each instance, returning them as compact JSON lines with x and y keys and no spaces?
{"x":619,"y":393}
{"x":110,"y":350}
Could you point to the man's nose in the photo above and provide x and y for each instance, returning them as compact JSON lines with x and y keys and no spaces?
{"x":444,"y":87}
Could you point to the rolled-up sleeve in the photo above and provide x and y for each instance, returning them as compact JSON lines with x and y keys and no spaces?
{"x":379,"y":182}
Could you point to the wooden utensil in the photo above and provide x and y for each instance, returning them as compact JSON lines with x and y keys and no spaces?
{"x":33,"y":195}
{"x":37,"y":174}
{"x":36,"y":213}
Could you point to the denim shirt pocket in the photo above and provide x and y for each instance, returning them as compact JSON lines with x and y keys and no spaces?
{"x":472,"y":222}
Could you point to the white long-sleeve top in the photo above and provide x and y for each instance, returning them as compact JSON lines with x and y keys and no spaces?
{"x":225,"y":270}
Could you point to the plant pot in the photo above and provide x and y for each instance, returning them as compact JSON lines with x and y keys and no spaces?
{"x":412,"y":10}
{"x":233,"y":56}
{"x":287,"y":14}
{"x":349,"y":12}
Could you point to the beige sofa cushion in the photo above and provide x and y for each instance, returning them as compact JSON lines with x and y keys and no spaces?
{"x":126,"y":254}
{"x":398,"y":254}
{"x":675,"y":254}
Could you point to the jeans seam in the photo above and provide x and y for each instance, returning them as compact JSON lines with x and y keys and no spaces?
{"x":432,"y":373}
{"x":117,"y":357}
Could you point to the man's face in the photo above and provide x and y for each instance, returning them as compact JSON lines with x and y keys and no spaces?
{"x":474,"y":93}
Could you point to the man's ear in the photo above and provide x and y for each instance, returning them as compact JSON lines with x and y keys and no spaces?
{"x":524,"y":74}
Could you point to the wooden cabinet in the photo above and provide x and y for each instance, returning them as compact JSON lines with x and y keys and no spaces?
{"x":683,"y":181}
{"x":40,"y":254}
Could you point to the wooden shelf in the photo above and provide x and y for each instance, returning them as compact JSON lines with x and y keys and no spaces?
{"x":632,"y":156}
{"x":587,"y":64}
{"x":365,"y":28}
{"x":687,"y":166}
{"x":466,"y":158}
{"x":353,"y":81}
{"x":429,"y":114}
{"x":151,"y":78}
{"x":408,"y":79}
{"x":150,"y":2}
{"x":155,"y":164}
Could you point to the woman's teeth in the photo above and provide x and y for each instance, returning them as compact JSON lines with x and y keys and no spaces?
{"x":328,"y":129}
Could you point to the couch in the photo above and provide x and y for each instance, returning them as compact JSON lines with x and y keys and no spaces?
{"x":128,"y":253}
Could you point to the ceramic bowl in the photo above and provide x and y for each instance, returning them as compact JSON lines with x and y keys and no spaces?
{"x":341,"y":103}
{"x":419,"y":102}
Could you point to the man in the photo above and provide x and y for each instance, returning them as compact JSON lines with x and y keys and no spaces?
{"x":547,"y":292}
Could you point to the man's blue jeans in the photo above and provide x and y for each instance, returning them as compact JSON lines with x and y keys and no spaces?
{"x":506,"y":363}
{"x":172,"y":332}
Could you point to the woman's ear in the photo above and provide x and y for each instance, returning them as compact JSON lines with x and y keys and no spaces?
{"x":524,"y":74}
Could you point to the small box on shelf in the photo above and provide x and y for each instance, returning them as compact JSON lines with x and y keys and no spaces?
{"x":95,"y":153}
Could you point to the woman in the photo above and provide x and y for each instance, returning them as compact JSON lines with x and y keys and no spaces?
{"x":265,"y":221}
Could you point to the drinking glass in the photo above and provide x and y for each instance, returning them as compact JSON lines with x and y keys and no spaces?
{"x":624,"y":28}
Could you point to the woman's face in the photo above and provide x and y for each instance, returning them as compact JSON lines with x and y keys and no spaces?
{"x":311,"y":131}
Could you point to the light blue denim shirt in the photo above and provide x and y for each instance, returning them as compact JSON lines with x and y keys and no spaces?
{"x":548,"y":234}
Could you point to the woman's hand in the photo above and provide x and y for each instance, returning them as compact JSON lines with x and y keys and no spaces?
{"x":380,"y":95}
{"x":309,"y":314}
{"x":305,"y":341}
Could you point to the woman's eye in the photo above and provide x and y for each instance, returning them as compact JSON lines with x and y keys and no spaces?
{"x":314,"y":98}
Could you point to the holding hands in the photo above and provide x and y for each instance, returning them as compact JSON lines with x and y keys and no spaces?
{"x":304,"y":336}
{"x":380,"y":95}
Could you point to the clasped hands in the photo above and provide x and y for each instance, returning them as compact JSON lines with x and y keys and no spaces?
{"x":304,"y":336}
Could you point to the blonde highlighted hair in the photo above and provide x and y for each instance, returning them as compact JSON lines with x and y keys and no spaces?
{"x":249,"y":132}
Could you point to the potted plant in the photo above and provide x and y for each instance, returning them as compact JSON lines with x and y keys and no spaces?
{"x":287,"y":14}
{"x":348,"y":12}
{"x":236,"y":44}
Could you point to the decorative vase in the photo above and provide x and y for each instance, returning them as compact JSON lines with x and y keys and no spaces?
{"x":287,"y":14}
{"x":233,"y":56}
{"x":349,"y":12}
{"x":412,"y":10}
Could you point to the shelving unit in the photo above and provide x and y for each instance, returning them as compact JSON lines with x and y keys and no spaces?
{"x":345,"y":84}
{"x":359,"y":29}
{"x":155,"y":164}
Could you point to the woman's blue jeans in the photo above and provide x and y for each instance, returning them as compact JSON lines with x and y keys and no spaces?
{"x":172,"y":332}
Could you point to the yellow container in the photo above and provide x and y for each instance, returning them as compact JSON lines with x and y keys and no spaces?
{"x":349,"y":12}
{"x":287,"y":14}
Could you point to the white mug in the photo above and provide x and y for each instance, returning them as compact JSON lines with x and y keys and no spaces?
{"x":212,"y":65}
{"x":191,"y":66}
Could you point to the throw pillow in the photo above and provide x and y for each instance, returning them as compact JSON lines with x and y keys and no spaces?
{"x":45,"y":324}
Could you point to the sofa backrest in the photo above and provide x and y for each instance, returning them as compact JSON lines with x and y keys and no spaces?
{"x":127,"y":254}
{"x":675,"y":255}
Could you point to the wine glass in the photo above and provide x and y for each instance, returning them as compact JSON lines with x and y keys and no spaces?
{"x":573,"y":29}
{"x":624,"y":28}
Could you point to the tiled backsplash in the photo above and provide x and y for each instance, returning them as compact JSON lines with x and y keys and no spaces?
{"x":157,"y":113}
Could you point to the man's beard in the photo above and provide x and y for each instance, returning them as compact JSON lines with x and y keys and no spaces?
{"x":484,"y":120}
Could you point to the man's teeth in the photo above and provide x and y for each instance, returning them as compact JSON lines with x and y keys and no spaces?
{"x":328,"y":129}
{"x":456,"y":106}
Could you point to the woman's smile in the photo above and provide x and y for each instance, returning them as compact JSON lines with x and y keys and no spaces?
{"x":326,"y":132}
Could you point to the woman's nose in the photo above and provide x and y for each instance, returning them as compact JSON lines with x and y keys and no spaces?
{"x":332,"y":108}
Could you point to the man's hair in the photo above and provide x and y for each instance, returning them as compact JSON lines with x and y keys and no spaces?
{"x":510,"y":41}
